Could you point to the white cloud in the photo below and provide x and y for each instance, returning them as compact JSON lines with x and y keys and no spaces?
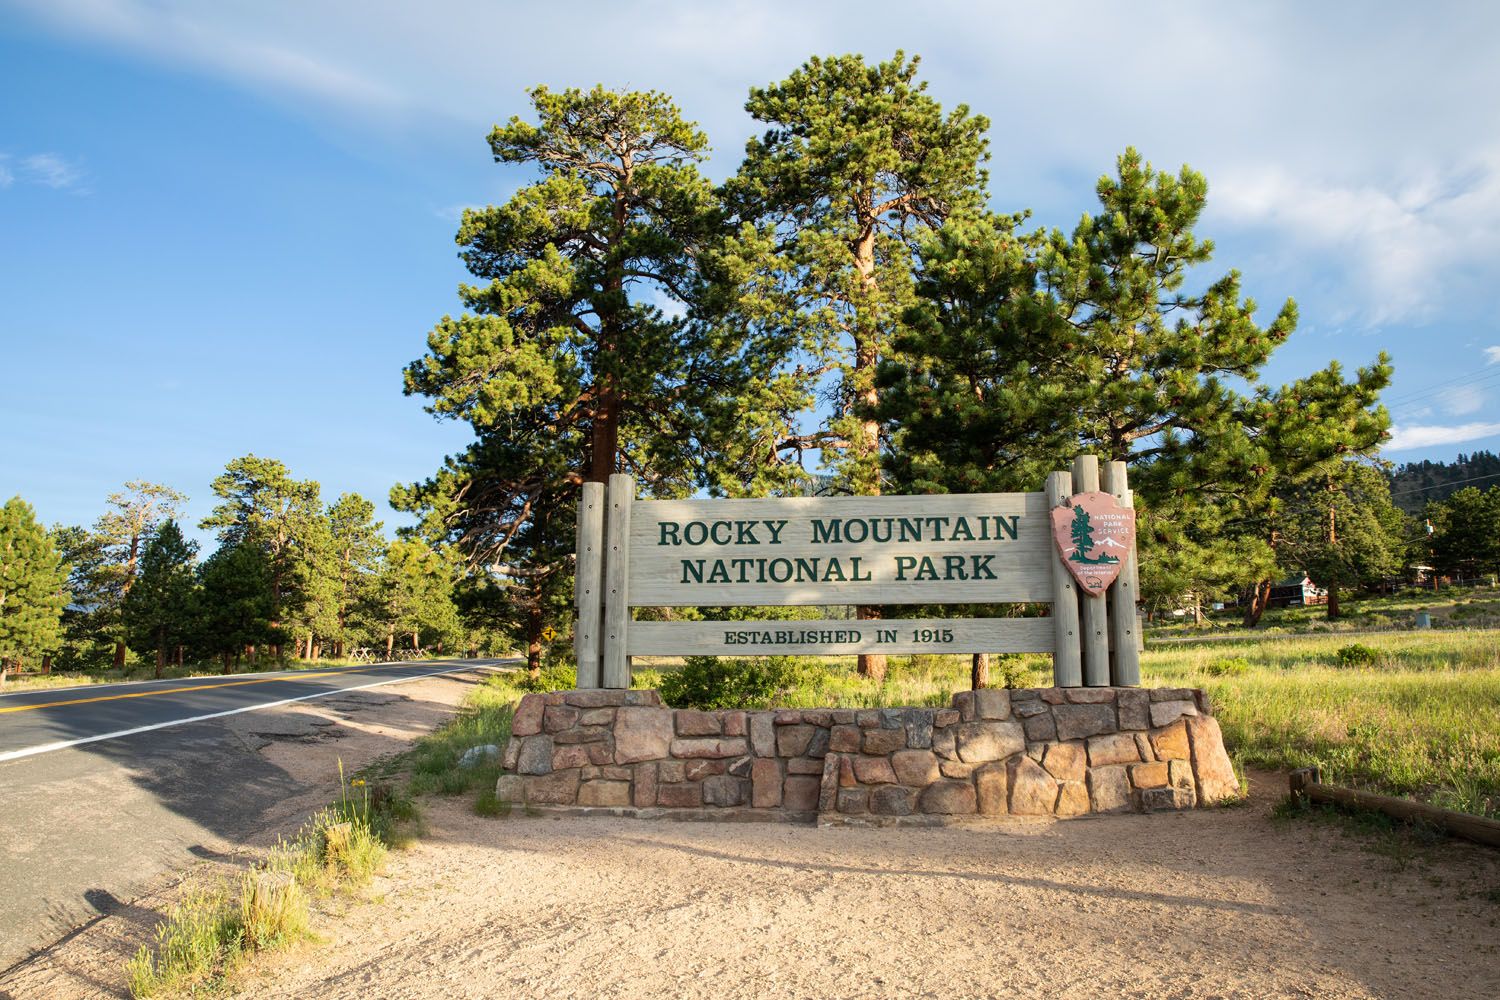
{"x":6,"y":177}
{"x":1492,"y":355}
{"x":1430,"y":436}
{"x":1401,"y":244}
{"x":53,"y":171}
{"x":1463,"y":400}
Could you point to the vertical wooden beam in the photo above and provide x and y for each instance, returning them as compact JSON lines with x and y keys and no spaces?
{"x":1067,"y":663}
{"x":1125,"y":665}
{"x":1093,"y":611}
{"x":615,"y":671}
{"x":588,"y":583}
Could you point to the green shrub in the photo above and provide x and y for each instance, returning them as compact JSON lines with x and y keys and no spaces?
{"x":558,"y":678}
{"x":1228,"y":666}
{"x":709,"y":682}
{"x":645,"y":678}
{"x":1356,"y":655}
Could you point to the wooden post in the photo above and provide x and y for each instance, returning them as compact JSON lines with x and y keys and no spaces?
{"x":1067,"y":669}
{"x":1125,"y":659}
{"x":615,"y":670}
{"x":588,"y":585}
{"x":1093,"y":611}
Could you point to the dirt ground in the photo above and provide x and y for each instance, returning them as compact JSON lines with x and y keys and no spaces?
{"x":1221,"y":903}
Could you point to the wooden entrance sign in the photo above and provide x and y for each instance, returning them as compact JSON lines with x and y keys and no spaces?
{"x":990,"y":548}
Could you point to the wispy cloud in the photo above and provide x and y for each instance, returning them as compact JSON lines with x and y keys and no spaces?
{"x":1463,"y":400}
{"x":53,"y":171}
{"x":1401,"y":244}
{"x":50,"y":170}
{"x":1430,"y":436}
{"x":1492,"y":355}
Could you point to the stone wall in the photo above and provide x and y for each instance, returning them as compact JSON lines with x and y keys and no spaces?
{"x":1032,"y":752}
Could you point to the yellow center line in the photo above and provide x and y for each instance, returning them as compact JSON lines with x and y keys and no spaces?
{"x":178,"y":690}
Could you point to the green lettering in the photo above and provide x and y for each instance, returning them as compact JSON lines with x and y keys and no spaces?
{"x":829,"y":531}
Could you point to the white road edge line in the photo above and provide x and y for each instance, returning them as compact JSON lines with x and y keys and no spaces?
{"x":48,"y":747}
{"x":206,"y":678}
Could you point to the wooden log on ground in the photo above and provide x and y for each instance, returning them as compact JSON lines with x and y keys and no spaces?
{"x":1480,"y":829}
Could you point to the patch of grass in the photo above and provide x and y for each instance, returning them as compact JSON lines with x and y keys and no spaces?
{"x":208,"y":934}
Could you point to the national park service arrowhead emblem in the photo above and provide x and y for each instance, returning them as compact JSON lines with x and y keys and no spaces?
{"x":1094,"y":533}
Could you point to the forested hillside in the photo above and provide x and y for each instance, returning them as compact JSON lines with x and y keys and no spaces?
{"x":1413,"y":484}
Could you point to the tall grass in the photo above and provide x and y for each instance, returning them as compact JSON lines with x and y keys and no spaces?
{"x":208,"y":934}
{"x":1422,"y":719}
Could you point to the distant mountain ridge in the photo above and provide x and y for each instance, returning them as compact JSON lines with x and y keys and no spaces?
{"x":1413,"y":484}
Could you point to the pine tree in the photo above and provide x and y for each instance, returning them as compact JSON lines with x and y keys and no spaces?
{"x":262,"y":505}
{"x":1342,"y":529}
{"x":158,"y":611}
{"x":1091,"y":343}
{"x":412,"y":597}
{"x":33,"y":586}
{"x":357,"y":549}
{"x":235,"y":606}
{"x":857,"y":165}
{"x":124,"y":531}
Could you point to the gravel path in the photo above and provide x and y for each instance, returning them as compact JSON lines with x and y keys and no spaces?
{"x":1224,"y":903}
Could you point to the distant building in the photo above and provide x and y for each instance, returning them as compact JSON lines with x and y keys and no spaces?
{"x":1296,"y":591}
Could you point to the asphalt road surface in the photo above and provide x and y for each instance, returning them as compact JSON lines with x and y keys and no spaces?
{"x":104,"y":787}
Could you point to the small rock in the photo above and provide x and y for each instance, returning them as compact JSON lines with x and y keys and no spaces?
{"x":1216,"y":778}
{"x":1109,"y":791}
{"x":1065,"y":761}
{"x":724,"y":790}
{"x":800,"y":793}
{"x":884,"y":741}
{"x":792,"y":740}
{"x":992,"y":787}
{"x":1135,"y":708}
{"x":1072,"y":799}
{"x":992,"y":703}
{"x":1033,"y":792}
{"x":1149,"y":775}
{"x":1170,"y":743}
{"x":763,"y":734}
{"x":604,"y":793}
{"x":915,"y":767}
{"x":528,"y":718}
{"x":765,"y":783}
{"x":642,"y":734}
{"x":687,"y":795}
{"x":535,"y":756}
{"x":694,"y":723}
{"x":948,"y":798}
{"x":982,"y":741}
{"x":891,"y":800}
{"x":874,"y":771}
{"x":854,"y":801}
{"x":1115,"y":748}
{"x":844,"y":739}
{"x":1077,"y":721}
{"x":1166,"y":712}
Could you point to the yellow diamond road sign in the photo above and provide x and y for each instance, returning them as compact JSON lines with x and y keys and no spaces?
{"x":549,"y":633}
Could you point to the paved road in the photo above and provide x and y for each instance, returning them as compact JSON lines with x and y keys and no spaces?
{"x":105,"y":787}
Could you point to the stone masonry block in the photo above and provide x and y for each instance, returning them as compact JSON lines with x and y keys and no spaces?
{"x":1076,"y":721}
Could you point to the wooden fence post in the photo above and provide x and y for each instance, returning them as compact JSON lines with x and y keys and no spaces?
{"x":588,"y":589}
{"x":615,"y":669}
{"x":1067,"y":669}
{"x":1093,"y":616}
{"x":1123,"y":593}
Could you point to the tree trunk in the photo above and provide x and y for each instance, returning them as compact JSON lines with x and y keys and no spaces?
{"x":46,"y":663}
{"x":979,"y":671}
{"x":1333,"y":601}
{"x":177,"y":660}
{"x":227,"y":668}
{"x":1260,"y":597}
{"x":390,"y":644}
{"x":119,"y":654}
{"x":867,"y":444}
{"x":1197,"y":610}
{"x":161,"y":661}
{"x":534,"y":642}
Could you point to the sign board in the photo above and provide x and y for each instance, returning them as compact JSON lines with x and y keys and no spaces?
{"x":889,"y":550}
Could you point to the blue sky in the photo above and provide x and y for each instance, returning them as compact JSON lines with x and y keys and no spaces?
{"x":225,"y":227}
